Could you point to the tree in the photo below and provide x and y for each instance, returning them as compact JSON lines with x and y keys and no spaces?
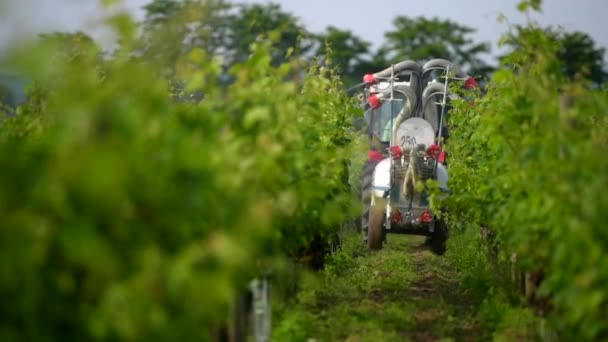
{"x":348,"y":52}
{"x":160,"y":11}
{"x":423,"y":39}
{"x":77,"y":47}
{"x":5,"y":95}
{"x":270,"y":20}
{"x":12,"y":89}
{"x":375,"y":62}
{"x":576,"y":51}
{"x":172,"y":28}
{"x":6,"y":100}
{"x":580,"y":57}
{"x":164,"y":31}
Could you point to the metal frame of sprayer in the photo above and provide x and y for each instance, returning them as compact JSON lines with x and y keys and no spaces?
{"x":413,"y":153}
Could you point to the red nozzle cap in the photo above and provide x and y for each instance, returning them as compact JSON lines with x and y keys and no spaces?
{"x":396,"y":151}
{"x":375,"y":156}
{"x":396,"y":216}
{"x":369,"y":79}
{"x":441,"y":158}
{"x":471,"y":83}
{"x":374,"y":101}
{"x":433,"y":151}
{"x":426,"y":216}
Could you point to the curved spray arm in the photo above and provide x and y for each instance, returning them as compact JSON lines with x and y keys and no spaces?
{"x":443,"y":64}
{"x":430,"y":114}
{"x":406,"y":112}
{"x":389,"y":74}
{"x":429,"y":93}
{"x":398,"y":68}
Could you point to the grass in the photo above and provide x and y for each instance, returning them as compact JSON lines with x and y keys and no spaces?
{"x":405,"y":293}
{"x":400,"y":293}
{"x":501,"y":311}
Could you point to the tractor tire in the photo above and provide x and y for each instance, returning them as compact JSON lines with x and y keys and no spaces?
{"x":366,"y":195}
{"x":437,"y":241}
{"x":240,"y":318}
{"x":375,"y":233}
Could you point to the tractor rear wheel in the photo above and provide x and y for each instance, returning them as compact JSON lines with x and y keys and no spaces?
{"x":366,"y":194}
{"x":375,"y":233}
{"x":437,"y":241}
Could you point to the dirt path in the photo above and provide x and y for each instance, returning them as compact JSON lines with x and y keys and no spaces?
{"x":401,"y":293}
{"x":442,"y":308}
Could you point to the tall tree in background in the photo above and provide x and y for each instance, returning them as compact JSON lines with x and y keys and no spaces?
{"x":348,"y":52}
{"x":174,"y":27}
{"x":6,"y":99}
{"x":163,"y":31}
{"x":581,"y":57}
{"x":6,"y":96}
{"x":75,"y":47}
{"x":422,"y":39}
{"x":251,"y":21}
{"x":577,"y":51}
{"x":160,"y":11}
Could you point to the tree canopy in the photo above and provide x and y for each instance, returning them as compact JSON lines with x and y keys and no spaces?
{"x":581,"y":57}
{"x":422,"y":39}
{"x":255,"y":20}
{"x":576,"y":52}
{"x":348,"y":51}
{"x":172,"y":28}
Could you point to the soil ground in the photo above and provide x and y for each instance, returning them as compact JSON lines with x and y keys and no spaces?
{"x":401,"y":293}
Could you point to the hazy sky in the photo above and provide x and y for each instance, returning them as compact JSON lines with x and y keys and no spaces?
{"x":367,"y":18}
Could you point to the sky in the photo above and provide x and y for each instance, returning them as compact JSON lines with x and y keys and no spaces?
{"x":22,"y":19}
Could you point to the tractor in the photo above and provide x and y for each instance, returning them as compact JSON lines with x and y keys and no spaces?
{"x":406,"y":114}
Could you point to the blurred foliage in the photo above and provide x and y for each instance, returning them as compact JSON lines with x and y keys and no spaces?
{"x":529,"y":5}
{"x":526,"y":162}
{"x":347,"y":51}
{"x":6,"y":96}
{"x":130,"y":216}
{"x":222,"y":28}
{"x":269,"y":20}
{"x":500,"y":308}
{"x":72,"y":47}
{"x":339,"y":303}
{"x":172,"y":28}
{"x":579,"y":57}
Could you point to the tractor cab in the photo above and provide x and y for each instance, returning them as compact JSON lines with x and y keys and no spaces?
{"x":381,"y":120}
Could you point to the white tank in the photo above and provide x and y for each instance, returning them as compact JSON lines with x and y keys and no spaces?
{"x":414,"y":131}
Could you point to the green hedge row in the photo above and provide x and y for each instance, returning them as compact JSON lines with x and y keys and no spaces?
{"x":129,"y":216}
{"x":528,"y":161}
